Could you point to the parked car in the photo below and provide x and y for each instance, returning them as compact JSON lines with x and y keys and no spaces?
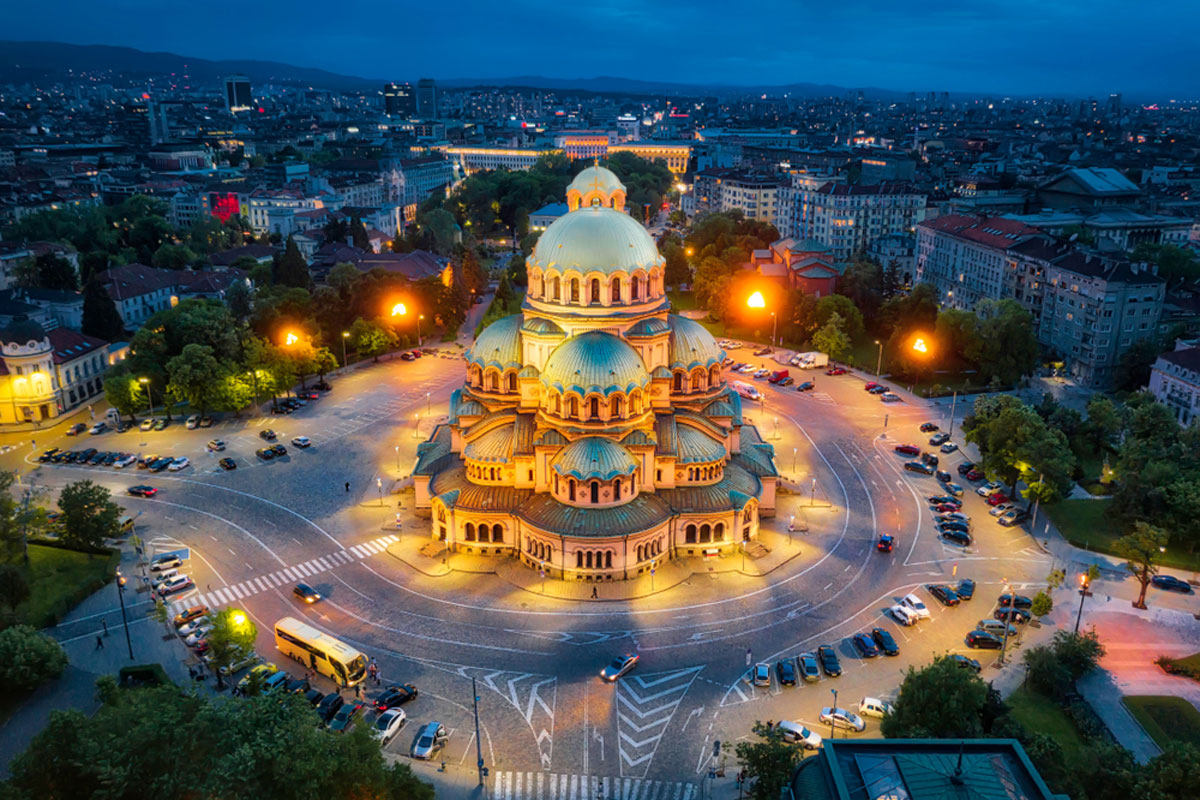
{"x":903,"y":614}
{"x":890,"y":397}
{"x":178,"y":464}
{"x":997,"y":498}
{"x":388,"y":724}
{"x":965,"y":662}
{"x":956,"y":537}
{"x":188,"y":628}
{"x":346,"y":716}
{"x":807,"y":386}
{"x":996,"y":627}
{"x":329,"y":706}
{"x":1018,"y":615}
{"x":99,"y":427}
{"x":961,"y":527}
{"x":988,"y":489}
{"x":965,"y":467}
{"x":162,"y":424}
{"x":76,"y":429}
{"x":163,"y":563}
{"x":930,"y":459}
{"x":975,"y":475}
{"x":915,"y":603}
{"x":278,"y":450}
{"x":795,"y":733}
{"x":948,"y":447}
{"x":943,"y":476}
{"x":918,"y":466}
{"x":261,"y":673}
{"x":808,"y":667}
{"x":174,"y":585}
{"x":206,"y":422}
{"x":189,"y":614}
{"x":216,"y":446}
{"x":835,"y":371}
{"x":982,"y":640}
{"x":1019,"y":601}
{"x":147,"y":424}
{"x":885,"y":642}
{"x":301,"y":441}
{"x":761,"y":675}
{"x":841,"y":718}
{"x":265,"y":453}
{"x":394,"y":696}
{"x":193,"y":422}
{"x":929,"y":427}
{"x":939,"y":438}
{"x":829,"y":660}
{"x":865,"y":645}
{"x":1001,"y":509}
{"x":1171,"y":584}
{"x":953,"y":488}
{"x":1014,"y":516}
{"x":944,"y":594}
{"x":786,"y":382}
{"x":267,"y":434}
{"x":431,"y":738}
{"x":227,"y":464}
{"x":785,"y":671}
{"x":965,"y":589}
{"x":908,"y":449}
{"x":871,"y":385}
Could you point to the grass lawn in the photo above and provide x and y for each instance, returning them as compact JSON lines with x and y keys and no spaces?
{"x":1038,"y":713}
{"x":1084,"y":524}
{"x":683,"y":300}
{"x":59,"y":579}
{"x":1166,"y":719}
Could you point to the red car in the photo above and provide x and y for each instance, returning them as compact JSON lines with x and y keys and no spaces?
{"x":996,"y":498}
{"x":946,"y":508}
{"x":835,"y":371}
{"x":908,"y":449}
{"x":871,"y":385}
{"x":974,"y":475}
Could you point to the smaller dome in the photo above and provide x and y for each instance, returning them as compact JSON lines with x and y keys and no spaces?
{"x":594,"y":457}
{"x":595,"y":361}
{"x":696,"y":448}
{"x":647,"y":328}
{"x":22,"y":330}
{"x":692,"y":345}
{"x":542,"y":326}
{"x":599,"y":183}
{"x":499,"y":344}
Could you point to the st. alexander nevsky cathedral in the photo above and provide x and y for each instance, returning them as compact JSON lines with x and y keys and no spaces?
{"x":595,"y":435}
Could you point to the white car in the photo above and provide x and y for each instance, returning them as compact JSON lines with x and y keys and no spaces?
{"x":99,"y":427}
{"x":988,"y":489}
{"x":874,"y":707}
{"x":178,"y":464}
{"x":122,"y":463}
{"x":388,"y":724}
{"x":240,"y":662}
{"x":841,"y":718}
{"x":746,"y":370}
{"x":619,"y":666}
{"x":795,"y":733}
{"x":1001,"y":509}
{"x":164,"y":563}
{"x":216,"y":446}
{"x":762,"y":373}
{"x":187,"y":629}
{"x":175,"y":584}
{"x":890,"y":397}
{"x":912,"y":601}
{"x":192,"y":639}
{"x":903,"y":614}
{"x":301,"y":441}
{"x":949,"y":447}
{"x":762,"y":674}
{"x":193,"y":421}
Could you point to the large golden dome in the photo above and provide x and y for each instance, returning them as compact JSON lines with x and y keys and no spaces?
{"x":595,"y":240}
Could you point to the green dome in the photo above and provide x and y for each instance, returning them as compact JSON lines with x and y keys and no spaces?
{"x":542,"y":326}
{"x":692,"y":345}
{"x":595,"y":240}
{"x":594,"y":457}
{"x":696,"y":448}
{"x":647,"y":328}
{"x":594,"y":362}
{"x":498,"y":345}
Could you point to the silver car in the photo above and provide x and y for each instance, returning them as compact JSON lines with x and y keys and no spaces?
{"x":619,"y":666}
{"x":431,"y":738}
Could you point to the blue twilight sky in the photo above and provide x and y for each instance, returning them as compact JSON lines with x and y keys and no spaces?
{"x":1146,"y":49}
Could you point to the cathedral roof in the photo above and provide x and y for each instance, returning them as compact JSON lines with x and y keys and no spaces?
{"x":596,"y":179}
{"x":542,"y":326}
{"x":595,"y":361}
{"x":498,"y":345}
{"x":644,"y":512}
{"x":652,"y":326}
{"x":596,"y":240}
{"x":594,"y":457}
{"x":695,"y":447}
{"x":692,"y":345}
{"x":494,"y":446}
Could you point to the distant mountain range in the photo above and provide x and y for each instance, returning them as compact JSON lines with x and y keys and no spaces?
{"x":21,"y":62}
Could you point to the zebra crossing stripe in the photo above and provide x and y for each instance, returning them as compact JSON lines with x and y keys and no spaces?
{"x":237,"y":591}
{"x":370,"y":547}
{"x":324,"y":563}
{"x":358,"y":551}
{"x":303,"y":570}
{"x":290,"y":573}
{"x":262,"y":585}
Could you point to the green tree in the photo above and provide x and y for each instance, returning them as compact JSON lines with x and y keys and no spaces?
{"x":124,"y":393}
{"x":194,"y":374}
{"x":1103,"y":421}
{"x":100,"y":316}
{"x":831,"y":339}
{"x":443,"y":228}
{"x":14,"y":586}
{"x":370,"y":339}
{"x":358,"y":235}
{"x":1006,"y":347}
{"x":342,"y":277}
{"x":55,"y":272}
{"x":1170,"y":776}
{"x":1043,"y":603}
{"x":1079,"y":653}
{"x":938,"y":701}
{"x":240,"y":301}
{"x":28,"y":659}
{"x":1132,"y":371}
{"x":1016,"y":444}
{"x":233,"y":634}
{"x":291,"y":269}
{"x":677,"y":272}
{"x":1174,"y":263}
{"x":1141,"y":549}
{"x":173,"y":256}
{"x":840,"y":306}
{"x":768,"y":761}
{"x":89,"y":514}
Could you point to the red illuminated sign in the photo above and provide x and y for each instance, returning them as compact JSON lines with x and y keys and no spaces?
{"x":224,"y":205}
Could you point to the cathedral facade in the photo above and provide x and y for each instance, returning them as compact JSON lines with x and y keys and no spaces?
{"x":595,"y":435}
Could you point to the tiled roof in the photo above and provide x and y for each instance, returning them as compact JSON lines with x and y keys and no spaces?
{"x":848,"y":190}
{"x":695,"y":447}
{"x":642,"y":513}
{"x":135,"y":280}
{"x":69,"y":345}
{"x":715,"y":497}
{"x":594,"y":457}
{"x":997,"y":232}
{"x":495,"y":446}
{"x":1188,"y":358}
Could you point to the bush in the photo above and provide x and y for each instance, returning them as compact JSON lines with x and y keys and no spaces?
{"x":28,"y":659}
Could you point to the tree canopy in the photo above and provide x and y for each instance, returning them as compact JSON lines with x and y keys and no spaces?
{"x":940,"y":700}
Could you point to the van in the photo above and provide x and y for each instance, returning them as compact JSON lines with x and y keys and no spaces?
{"x":874,"y":707}
{"x":126,"y":524}
{"x":746,"y":390}
{"x":795,"y":733}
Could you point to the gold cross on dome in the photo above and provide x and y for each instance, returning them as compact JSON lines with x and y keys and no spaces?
{"x":596,"y":182}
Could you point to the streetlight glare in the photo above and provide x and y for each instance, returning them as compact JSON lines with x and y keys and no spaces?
{"x":399,"y":310}
{"x":239,"y":618}
{"x":920,"y":346}
{"x":291,"y":339}
{"x":756,"y":301}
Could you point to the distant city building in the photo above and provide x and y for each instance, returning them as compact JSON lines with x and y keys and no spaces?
{"x":399,"y":100}
{"x":964,"y":258}
{"x":540,"y":220}
{"x":1116,"y":228}
{"x":421,"y":177}
{"x":674,"y":157}
{"x":1088,"y":189}
{"x":585,"y":144}
{"x":160,"y":129}
{"x":46,"y":374}
{"x":427,"y":98}
{"x":474,"y":159}
{"x":1175,"y":381}
{"x":806,"y":265}
{"x":754,"y":195}
{"x":847,"y":218}
{"x":237,"y":94}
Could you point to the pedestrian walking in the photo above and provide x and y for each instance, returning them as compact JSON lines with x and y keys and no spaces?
{"x":99,"y":642}
{"x":104,"y":622}
{"x":347,"y":487}
{"x":595,"y":596}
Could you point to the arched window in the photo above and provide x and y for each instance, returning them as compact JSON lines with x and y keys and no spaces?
{"x":639,"y":553}
{"x":588,"y":560}
{"x":491,"y":382}
{"x":714,"y":377}
{"x":574,"y":290}
{"x":554,"y":288}
{"x":483,"y":532}
{"x":595,"y":491}
{"x":498,"y":533}
{"x":557,"y":403}
{"x":719,"y":532}
{"x":595,"y":291}
{"x":608,"y":559}
{"x":572,"y":407}
{"x":634,"y":288}
{"x":578,"y":559}
{"x":512,"y":381}
{"x":635,"y":402}
{"x":441,"y":513}
{"x":594,"y":408}
{"x":679,"y":381}
{"x":617,"y":489}
{"x":571,"y":489}
{"x":470,"y":531}
{"x":689,"y":534}
{"x":614,"y":290}
{"x":697,"y":381}
{"x":614,"y":407}
{"x":705,"y":533}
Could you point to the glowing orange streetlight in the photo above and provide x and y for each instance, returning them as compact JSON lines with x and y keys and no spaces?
{"x":399,"y":310}
{"x":756,"y":301}
{"x":290,"y":339}
{"x":919,"y":345}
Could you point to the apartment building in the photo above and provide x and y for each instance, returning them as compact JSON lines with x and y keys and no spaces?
{"x":965,"y":258}
{"x":756,"y":196}
{"x":846,"y":218}
{"x":1175,"y":381}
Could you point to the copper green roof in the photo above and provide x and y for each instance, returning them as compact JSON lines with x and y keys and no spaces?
{"x":642,"y":513}
{"x":430,"y":451}
{"x":724,"y":495}
{"x":494,"y":446}
{"x":472,"y":497}
{"x":523,"y":431}
{"x":638,"y":439}
{"x":660,"y":372}
{"x":715,"y":428}
{"x":550,"y":438}
{"x":471,"y":408}
{"x":498,"y":345}
{"x":692,"y":345}
{"x":594,"y":457}
{"x":664,"y":428}
{"x":646,"y":328}
{"x":595,"y":240}
{"x":542,"y":327}
{"x":595,"y":361}
{"x":695,"y":447}
{"x":719,"y":409}
{"x":528,"y":371}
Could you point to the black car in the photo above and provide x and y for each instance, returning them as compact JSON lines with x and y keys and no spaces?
{"x":943,"y":593}
{"x":1018,"y":615}
{"x":329,"y":706}
{"x":267,"y":434}
{"x":296,"y":686}
{"x":965,"y":589}
{"x":930,"y":459}
{"x":394,"y":696}
{"x":111,"y":458}
{"x":49,"y":454}
{"x":265,"y":453}
{"x":928,"y":427}
{"x":306,"y":593}
{"x":785,"y":670}
{"x":956,"y":537}
{"x":954,"y":525}
{"x":322,"y":385}
{"x":278,"y":450}
{"x":887,"y":645}
{"x":966,"y":663}
{"x":939,"y":499}
{"x":227,"y":463}
{"x":965,"y":467}
{"x":918,"y":466}
{"x":829,"y":660}
{"x":865,"y":645}
{"x":346,"y":716}
{"x":161,"y":464}
{"x":1020,"y":601}
{"x":805,"y":387}
{"x":982,"y":640}
{"x":314,"y":697}
{"x":1171,"y":584}
{"x":944,"y":477}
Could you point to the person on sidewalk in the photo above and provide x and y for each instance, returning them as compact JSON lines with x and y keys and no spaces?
{"x":595,"y":595}
{"x":99,"y":642}
{"x":104,"y":622}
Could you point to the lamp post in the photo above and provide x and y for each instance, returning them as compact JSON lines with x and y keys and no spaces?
{"x":428,"y":402}
{"x":345,"y":336}
{"x":417,"y":425}
{"x":1008,"y":621}
{"x":832,"y":711}
{"x":774,"y":328}
{"x":1084,"y":583}
{"x":419,"y":318}
{"x":879,"y":361}
{"x":149,"y":394}
{"x":812,"y":498}
{"x":794,"y":449}
{"x":379,"y":486}
{"x":397,"y":459}
{"x":124,"y":618}
{"x":953,"y":404}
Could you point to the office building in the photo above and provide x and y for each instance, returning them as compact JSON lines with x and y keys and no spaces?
{"x":754,"y":195}
{"x":237,"y":94}
{"x":399,"y":100}
{"x":427,"y":98}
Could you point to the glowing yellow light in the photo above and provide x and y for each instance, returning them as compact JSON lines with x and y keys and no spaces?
{"x":291,"y":339}
{"x":399,"y":310}
{"x":920,"y":346}
{"x":239,"y":618}
{"x":756,"y":301}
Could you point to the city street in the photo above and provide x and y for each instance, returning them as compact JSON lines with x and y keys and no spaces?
{"x":549,"y":726}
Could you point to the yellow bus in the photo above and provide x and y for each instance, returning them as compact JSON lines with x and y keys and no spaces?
{"x":320,"y":652}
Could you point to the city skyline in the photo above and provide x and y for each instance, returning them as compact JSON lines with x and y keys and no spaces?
{"x":1044,"y":49}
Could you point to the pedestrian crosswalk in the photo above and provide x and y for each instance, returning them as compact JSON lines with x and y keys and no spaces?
{"x":556,"y":786}
{"x":287,"y":576}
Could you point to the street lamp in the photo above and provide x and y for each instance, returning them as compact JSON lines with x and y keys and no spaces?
{"x":879,"y":361}
{"x":345,"y":336}
{"x":146,"y":382}
{"x":428,"y":402}
{"x":1008,"y":617}
{"x":239,"y":618}
{"x":794,"y":461}
{"x":419,"y":318}
{"x":124,"y":618}
{"x":417,"y":425}
{"x":397,"y":458}
{"x":774,"y":324}
{"x":832,"y":713}
{"x":1084,"y":582}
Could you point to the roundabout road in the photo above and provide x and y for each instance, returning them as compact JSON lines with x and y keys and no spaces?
{"x":550,"y":727}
